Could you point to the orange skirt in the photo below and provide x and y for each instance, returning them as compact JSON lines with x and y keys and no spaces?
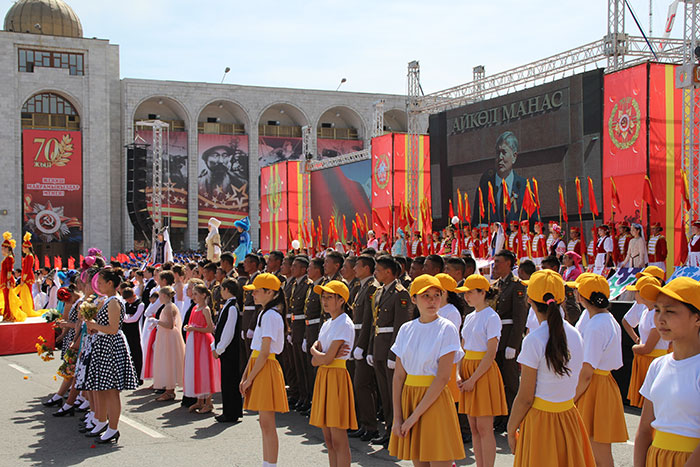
{"x":488,"y":397}
{"x":333,"y":403}
{"x":602,"y":411}
{"x":670,"y":450}
{"x":268,"y":392}
{"x":640,"y":366}
{"x":452,"y":383}
{"x":436,"y":435}
{"x":550,"y":438}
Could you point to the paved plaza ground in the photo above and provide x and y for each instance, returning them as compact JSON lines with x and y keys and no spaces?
{"x":158,"y":433}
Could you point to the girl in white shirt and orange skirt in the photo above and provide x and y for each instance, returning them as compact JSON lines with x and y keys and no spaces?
{"x":544,"y":428}
{"x":333,"y":407}
{"x":482,"y":395}
{"x":425,"y":428}
{"x":263,"y":382}
{"x":669,"y":428}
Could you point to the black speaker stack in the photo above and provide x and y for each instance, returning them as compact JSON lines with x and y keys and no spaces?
{"x":136,"y":182}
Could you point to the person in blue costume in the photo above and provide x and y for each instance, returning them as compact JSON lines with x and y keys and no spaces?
{"x":245,"y":245}
{"x":399,"y":247}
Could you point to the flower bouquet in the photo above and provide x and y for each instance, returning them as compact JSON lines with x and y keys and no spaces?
{"x":88,"y":310}
{"x":67,"y":368}
{"x":43,"y":350}
{"x":52,"y":315}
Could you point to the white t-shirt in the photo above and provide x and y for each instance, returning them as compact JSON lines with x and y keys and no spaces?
{"x":338,"y":329}
{"x":639,"y":316}
{"x":550,"y":386}
{"x":602,"y":342}
{"x":270,"y":325}
{"x":532,"y":322}
{"x":420,"y":345}
{"x":582,"y":321}
{"x":451,"y":313}
{"x":479,"y":327}
{"x":673,"y":386}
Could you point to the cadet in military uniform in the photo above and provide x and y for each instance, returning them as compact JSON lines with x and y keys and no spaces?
{"x":511,"y":306}
{"x":298,"y":292}
{"x":331,"y":268}
{"x":363,"y":381}
{"x":312,"y":314}
{"x":391,"y":307}
{"x":251,"y":263}
{"x":287,"y":356}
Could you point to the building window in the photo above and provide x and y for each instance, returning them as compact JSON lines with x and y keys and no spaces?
{"x":29,"y":59}
{"x":49,"y":111}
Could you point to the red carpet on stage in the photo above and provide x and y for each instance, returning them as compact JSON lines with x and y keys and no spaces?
{"x":16,"y":338}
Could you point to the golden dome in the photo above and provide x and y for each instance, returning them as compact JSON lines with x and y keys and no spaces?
{"x":48,"y":17}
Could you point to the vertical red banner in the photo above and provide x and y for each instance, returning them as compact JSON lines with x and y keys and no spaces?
{"x":52,"y":193}
{"x":382,"y":183}
{"x":273,"y":207}
{"x":625,"y":140}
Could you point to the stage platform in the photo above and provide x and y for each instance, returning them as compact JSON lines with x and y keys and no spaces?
{"x":17,"y":338}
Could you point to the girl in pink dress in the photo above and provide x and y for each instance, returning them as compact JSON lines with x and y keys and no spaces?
{"x":169,"y":348}
{"x":201,"y":368}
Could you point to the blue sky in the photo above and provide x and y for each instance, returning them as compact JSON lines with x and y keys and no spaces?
{"x":313,"y":44}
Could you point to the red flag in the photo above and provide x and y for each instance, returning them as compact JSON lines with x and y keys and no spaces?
{"x":365,"y":227}
{"x":358,"y":224}
{"x":684,"y":247}
{"x":648,"y":195}
{"x":528,"y":201}
{"x":37,"y":264}
{"x":492,"y":200}
{"x":481,"y":203}
{"x":403,"y":222}
{"x":131,"y":255}
{"x":345,"y":229}
{"x":579,"y":195}
{"x":506,"y":195}
{"x":584,"y":248}
{"x":460,"y":209}
{"x":591,"y":200}
{"x":615,"y":197}
{"x":71,"y":263}
{"x":536,"y":193}
{"x":409,"y":217}
{"x":331,"y":237}
{"x":47,"y":262}
{"x":354,"y":231}
{"x":686,"y":191}
{"x":562,"y":205}
{"x":452,"y":211}
{"x":320,"y":231}
{"x":57,"y":262}
{"x":467,"y":209}
{"x":376,"y":220}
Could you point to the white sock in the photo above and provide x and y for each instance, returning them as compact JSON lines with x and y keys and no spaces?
{"x":80,"y":398}
{"x":98,"y":426}
{"x":66,"y":407}
{"x":85,"y":404}
{"x":108,"y":432}
{"x":55,"y":398}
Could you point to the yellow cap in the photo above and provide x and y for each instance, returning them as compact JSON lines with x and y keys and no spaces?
{"x":545,"y":282}
{"x":641,"y":282}
{"x":593,"y":283}
{"x":424,"y":282}
{"x":473,"y":282}
{"x":653,"y":271}
{"x":582,"y":276}
{"x":683,"y":289}
{"x":334,"y":287}
{"x":448,"y":283}
{"x":264,"y":281}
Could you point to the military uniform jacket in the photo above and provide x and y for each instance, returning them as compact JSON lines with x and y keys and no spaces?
{"x":295,"y":306}
{"x":362,"y":314}
{"x":353,"y":288}
{"x":511,"y":306}
{"x":312,"y":312}
{"x":250,"y":309}
{"x":391,"y":309}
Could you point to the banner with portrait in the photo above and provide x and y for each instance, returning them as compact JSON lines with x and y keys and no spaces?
{"x":330,"y":148}
{"x":52,"y":188}
{"x":223,"y":178}
{"x":175,"y":175}
{"x":274,"y":149}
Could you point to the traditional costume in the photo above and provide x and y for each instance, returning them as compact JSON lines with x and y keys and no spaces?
{"x":11,"y":306}
{"x":657,"y":249}
{"x":213,"y":240}
{"x":245,"y":245}
{"x":24,"y":289}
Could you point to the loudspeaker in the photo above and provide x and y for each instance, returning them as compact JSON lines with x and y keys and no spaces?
{"x":136,"y":182}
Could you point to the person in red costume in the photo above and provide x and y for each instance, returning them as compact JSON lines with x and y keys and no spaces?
{"x":539,"y":245}
{"x":11,"y":306}
{"x":24,"y":289}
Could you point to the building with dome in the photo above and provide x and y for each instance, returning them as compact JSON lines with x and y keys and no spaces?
{"x":66,"y":117}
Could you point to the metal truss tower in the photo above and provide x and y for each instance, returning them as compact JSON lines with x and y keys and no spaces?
{"x":691,"y":105}
{"x":157,"y":194}
{"x":413,"y":112}
{"x":615,"y":41}
{"x":378,"y":128}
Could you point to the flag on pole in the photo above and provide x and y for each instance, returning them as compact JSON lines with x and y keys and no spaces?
{"x":71,"y":263}
{"x":459,"y":205}
{"x":452,"y":211}
{"x":591,"y":199}
{"x":615,"y":198}
{"x":686,"y":191}
{"x":579,"y":196}
{"x":648,"y":194}
{"x":481,"y":204}
{"x":528,"y":202}
{"x":467,"y":209}
{"x":562,"y":205}
{"x":492,"y":200}
{"x":506,"y":195}
{"x":536,"y":193}
{"x":345,"y":229}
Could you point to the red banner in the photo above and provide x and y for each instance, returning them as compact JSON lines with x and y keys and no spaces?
{"x":625,"y":140}
{"x":223,"y":178}
{"x":174,"y":182}
{"x":382,"y":184}
{"x":52,"y":191}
